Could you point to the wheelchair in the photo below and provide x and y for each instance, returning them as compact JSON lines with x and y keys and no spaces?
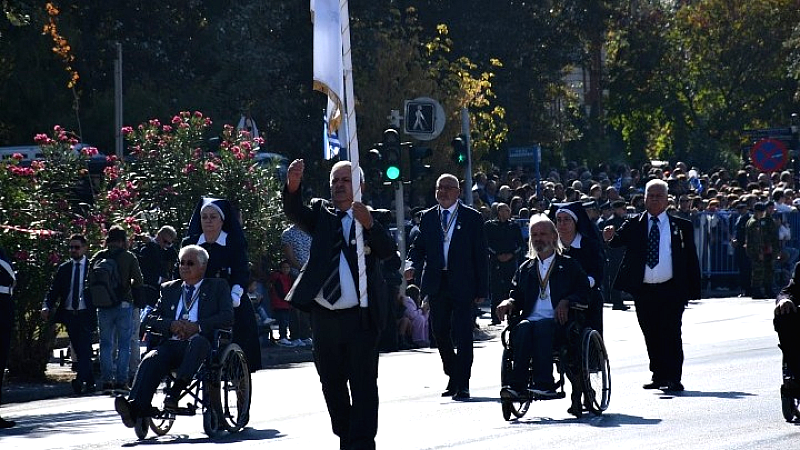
{"x":220,"y":389}
{"x":790,"y":396}
{"x":582,"y":355}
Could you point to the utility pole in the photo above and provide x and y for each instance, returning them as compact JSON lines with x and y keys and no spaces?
{"x":118,"y":102}
{"x":468,"y":175}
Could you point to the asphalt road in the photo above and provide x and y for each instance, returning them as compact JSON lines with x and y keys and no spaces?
{"x":732,"y":375}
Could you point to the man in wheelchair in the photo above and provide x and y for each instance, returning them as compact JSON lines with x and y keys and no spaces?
{"x":187,"y":315}
{"x":544,"y":289}
{"x":787,"y":325}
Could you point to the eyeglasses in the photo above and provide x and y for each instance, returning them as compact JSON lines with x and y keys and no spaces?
{"x":446,"y":188}
{"x":187,"y":263}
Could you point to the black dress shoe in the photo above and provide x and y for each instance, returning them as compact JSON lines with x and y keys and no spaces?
{"x":653,"y":385}
{"x":6,"y":423}
{"x":77,"y":386}
{"x":449,"y":392}
{"x":462,"y":394}
{"x":126,"y":411}
{"x":674,"y":386}
{"x":621,"y":307}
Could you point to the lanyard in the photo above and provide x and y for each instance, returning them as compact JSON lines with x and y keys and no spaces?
{"x":187,"y":307}
{"x":446,"y":229}
{"x":543,"y":281}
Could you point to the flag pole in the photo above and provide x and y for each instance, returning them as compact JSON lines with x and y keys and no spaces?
{"x":351,"y":137}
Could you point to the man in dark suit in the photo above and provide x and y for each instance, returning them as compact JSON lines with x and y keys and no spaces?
{"x":661,"y":270}
{"x":543,"y":289}
{"x":345,"y":325}
{"x":449,"y":262}
{"x":74,"y":308}
{"x":187,"y":314}
{"x":787,"y":325}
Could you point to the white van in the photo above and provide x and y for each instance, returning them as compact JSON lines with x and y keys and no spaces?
{"x":28,"y":152}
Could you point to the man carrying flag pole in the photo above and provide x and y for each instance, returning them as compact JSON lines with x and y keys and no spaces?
{"x":342,"y":283}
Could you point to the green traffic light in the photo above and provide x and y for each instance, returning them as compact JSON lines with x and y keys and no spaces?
{"x":392,"y":172}
{"x":462,"y":158}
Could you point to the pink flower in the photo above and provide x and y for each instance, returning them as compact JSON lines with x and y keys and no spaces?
{"x":210,"y":166}
{"x":198,"y":114}
{"x":155,"y":123}
{"x":57,"y":128}
{"x":176,"y":120}
{"x":18,"y":156}
{"x":129,"y":220}
{"x":127,"y":130}
{"x":53,"y":258}
{"x":37,"y":165}
{"x":189,"y":168}
{"x":89,"y":151}
{"x":41,"y":139}
{"x":166,"y":129}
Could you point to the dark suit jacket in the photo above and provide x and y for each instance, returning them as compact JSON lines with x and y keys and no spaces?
{"x":567,"y":281}
{"x":685,"y":265}
{"x":467,"y":258}
{"x":792,"y":290}
{"x":56,"y":297}
{"x":321,"y":222}
{"x":214,"y":303}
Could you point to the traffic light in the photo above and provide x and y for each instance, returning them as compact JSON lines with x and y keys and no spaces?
{"x":459,"y":154}
{"x":390,"y":155}
{"x":417,"y":166}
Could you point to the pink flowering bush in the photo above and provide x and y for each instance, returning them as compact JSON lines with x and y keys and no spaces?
{"x":40,"y":206}
{"x":172,"y":165}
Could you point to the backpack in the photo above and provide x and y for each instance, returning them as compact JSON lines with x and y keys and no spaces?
{"x":104,"y":282}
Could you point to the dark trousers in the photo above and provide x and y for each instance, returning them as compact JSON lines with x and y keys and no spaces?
{"x":6,"y":322}
{"x":345,"y":353}
{"x":660,"y":317}
{"x":299,"y":324}
{"x":185,"y":356}
{"x":452,"y":320}
{"x":788,"y":328}
{"x":245,"y":333}
{"x":282,"y":317}
{"x":500,"y":277}
{"x":79,"y":329}
{"x":533,"y":347}
{"x":745,"y":270}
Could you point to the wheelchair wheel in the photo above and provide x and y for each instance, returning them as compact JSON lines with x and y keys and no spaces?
{"x":511,"y":407}
{"x":231,"y":390}
{"x":162,"y":425}
{"x":141,"y":426}
{"x":596,"y":371}
{"x":211,"y":423}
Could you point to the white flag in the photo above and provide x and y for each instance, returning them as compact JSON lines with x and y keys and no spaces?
{"x":328,"y":70}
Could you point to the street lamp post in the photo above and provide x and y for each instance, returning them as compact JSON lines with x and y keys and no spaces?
{"x":794,"y":126}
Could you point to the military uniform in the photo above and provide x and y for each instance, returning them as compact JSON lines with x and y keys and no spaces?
{"x":762,"y":247}
{"x":502,"y":237}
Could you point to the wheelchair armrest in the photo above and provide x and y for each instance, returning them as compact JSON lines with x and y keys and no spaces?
{"x":222,"y":337}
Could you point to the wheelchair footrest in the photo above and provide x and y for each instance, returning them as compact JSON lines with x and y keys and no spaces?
{"x":536,"y":396}
{"x":189,"y":410}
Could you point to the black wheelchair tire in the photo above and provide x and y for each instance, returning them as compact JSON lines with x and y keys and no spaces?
{"x":141,"y":426}
{"x":161,"y":426}
{"x":231,"y":389}
{"x":211,"y":425}
{"x":596,"y":372}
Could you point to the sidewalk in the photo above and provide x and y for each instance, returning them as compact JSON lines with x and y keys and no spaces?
{"x":59,"y":377}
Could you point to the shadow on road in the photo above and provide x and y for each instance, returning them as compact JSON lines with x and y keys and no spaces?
{"x":248,"y":434}
{"x":732,"y":395}
{"x":602,"y":421}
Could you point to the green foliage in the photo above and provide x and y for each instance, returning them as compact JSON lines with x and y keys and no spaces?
{"x":686,"y":82}
{"x":41,"y":207}
{"x":171,"y":168}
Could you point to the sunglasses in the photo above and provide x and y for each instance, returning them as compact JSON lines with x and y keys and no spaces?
{"x":188,"y":263}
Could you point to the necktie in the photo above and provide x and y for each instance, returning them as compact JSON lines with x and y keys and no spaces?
{"x":331,"y":289}
{"x":653,"y":243}
{"x":187,"y":301}
{"x":76,"y":284}
{"x":445,"y":217}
